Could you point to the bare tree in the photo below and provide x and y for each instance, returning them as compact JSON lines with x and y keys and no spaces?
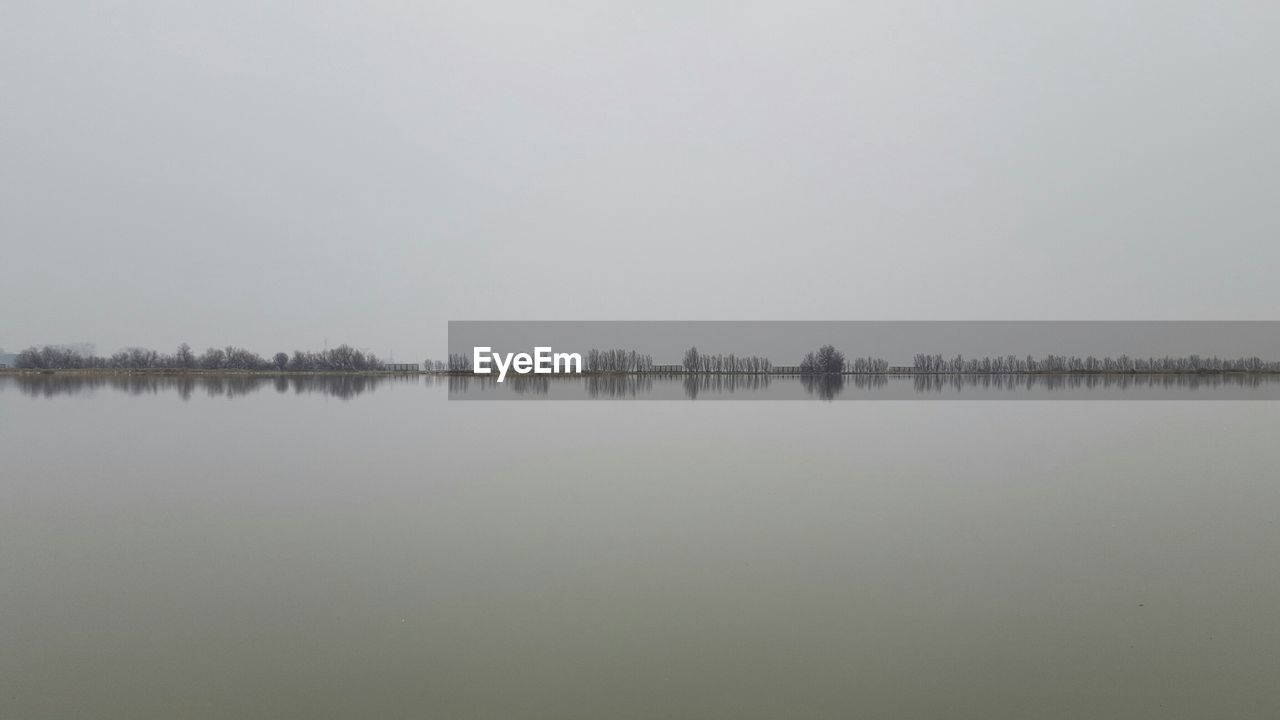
{"x":213,"y":359}
{"x":696,"y":362}
{"x":184,"y":358}
{"x":691,"y":360}
{"x":827,"y":360}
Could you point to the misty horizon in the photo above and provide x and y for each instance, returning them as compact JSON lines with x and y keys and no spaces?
{"x":252,"y":256}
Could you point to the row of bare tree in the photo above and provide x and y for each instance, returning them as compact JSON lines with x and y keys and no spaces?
{"x":611,"y":361}
{"x":343,"y":358}
{"x":696,"y":362}
{"x":1073,"y":364}
{"x":827,"y":360}
{"x":457,"y":362}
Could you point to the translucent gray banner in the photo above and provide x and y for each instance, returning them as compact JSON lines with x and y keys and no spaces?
{"x":862,"y":360}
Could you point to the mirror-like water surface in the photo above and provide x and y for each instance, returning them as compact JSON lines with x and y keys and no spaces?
{"x":624,"y":386}
{"x":353,"y":547}
{"x":1244,"y":386}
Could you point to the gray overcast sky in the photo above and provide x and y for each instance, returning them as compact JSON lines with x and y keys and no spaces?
{"x":271,"y":175}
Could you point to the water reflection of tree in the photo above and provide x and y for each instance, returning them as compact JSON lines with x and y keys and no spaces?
{"x":228,"y":386}
{"x":930,"y":383}
{"x":529,"y":385}
{"x":518,"y":384}
{"x":825,"y":387}
{"x":340,"y":386}
{"x":695,"y":385}
{"x":618,"y":386}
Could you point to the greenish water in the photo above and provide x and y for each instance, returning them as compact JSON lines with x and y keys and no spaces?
{"x":327,"y":551}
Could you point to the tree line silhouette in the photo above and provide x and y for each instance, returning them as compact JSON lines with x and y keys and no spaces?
{"x":696,"y":362}
{"x":1089,"y":364}
{"x":343,"y":358}
{"x":826,"y":360}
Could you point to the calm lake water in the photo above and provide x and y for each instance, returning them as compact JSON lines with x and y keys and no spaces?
{"x":1243,"y":386}
{"x":352,"y":548}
